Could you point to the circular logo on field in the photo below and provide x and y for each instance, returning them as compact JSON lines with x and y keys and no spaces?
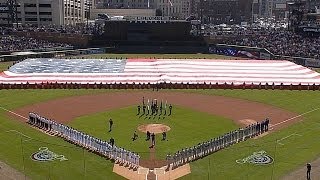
{"x":44,"y":155}
{"x":258,"y":158}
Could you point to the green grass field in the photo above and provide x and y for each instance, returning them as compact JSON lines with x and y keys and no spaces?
{"x":317,"y":69}
{"x":16,"y":150}
{"x":4,"y":65}
{"x":182,"y":122}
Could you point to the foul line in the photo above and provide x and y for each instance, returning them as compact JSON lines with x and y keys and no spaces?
{"x":14,"y":113}
{"x":293,"y":134}
{"x":15,"y":131}
{"x":295,"y":117}
{"x":18,"y":132}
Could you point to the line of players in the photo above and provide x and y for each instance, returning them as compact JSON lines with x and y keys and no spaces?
{"x":152,"y":108}
{"x":206,"y":148}
{"x":96,"y":145}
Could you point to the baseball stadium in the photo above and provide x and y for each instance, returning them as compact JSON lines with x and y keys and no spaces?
{"x":159,"y":90}
{"x":209,"y":117}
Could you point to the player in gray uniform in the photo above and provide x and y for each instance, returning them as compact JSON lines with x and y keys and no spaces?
{"x":130,"y":159}
{"x":138,"y":161}
{"x":109,"y":150}
{"x":121,"y":158}
{"x":55,"y":127}
{"x":124,"y":156}
{"x":175,"y":159}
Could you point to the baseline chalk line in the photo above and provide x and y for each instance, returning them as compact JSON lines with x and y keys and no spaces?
{"x":295,"y":117}
{"x":14,"y":113}
{"x":18,"y":132}
{"x":293,"y":134}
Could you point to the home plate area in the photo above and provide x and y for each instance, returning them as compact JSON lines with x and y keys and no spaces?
{"x":152,"y":174}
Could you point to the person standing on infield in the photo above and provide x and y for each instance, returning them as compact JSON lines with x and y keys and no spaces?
{"x":308,"y":171}
{"x":153,"y":140}
{"x":139,"y":108}
{"x":110,"y":124}
{"x":144,"y":109}
{"x":148,"y":136}
{"x":170,"y":109}
{"x":111,"y":141}
{"x":135,"y":136}
{"x":164,"y":135}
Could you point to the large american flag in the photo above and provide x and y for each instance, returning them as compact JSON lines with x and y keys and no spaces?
{"x":164,"y":70}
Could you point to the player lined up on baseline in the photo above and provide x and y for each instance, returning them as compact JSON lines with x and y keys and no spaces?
{"x":203,"y":149}
{"x":104,"y":148}
{"x":153,"y":108}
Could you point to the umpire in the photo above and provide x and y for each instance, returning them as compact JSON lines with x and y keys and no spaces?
{"x":308,"y":171}
{"x":110,"y":124}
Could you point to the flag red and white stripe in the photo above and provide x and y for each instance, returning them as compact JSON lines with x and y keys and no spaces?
{"x":183,"y":71}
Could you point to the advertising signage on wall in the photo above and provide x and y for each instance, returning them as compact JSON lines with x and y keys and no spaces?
{"x":148,"y":18}
{"x":311,"y":29}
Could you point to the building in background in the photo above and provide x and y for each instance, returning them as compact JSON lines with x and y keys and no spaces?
{"x":45,"y":12}
{"x":174,"y":8}
{"x":313,"y":5}
{"x":222,"y":11}
{"x":122,"y":12}
{"x":279,"y":9}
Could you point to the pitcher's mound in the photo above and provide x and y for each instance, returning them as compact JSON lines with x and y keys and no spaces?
{"x":247,"y":122}
{"x":154,"y":128}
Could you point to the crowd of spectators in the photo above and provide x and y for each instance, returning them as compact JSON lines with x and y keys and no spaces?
{"x":16,"y":43}
{"x":281,"y":42}
{"x":278,"y":40}
{"x":9,"y":42}
{"x":88,"y":29}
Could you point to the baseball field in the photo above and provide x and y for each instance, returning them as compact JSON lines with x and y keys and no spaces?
{"x":198,"y":115}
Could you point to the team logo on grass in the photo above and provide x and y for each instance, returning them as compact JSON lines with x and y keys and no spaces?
{"x":258,"y":158}
{"x":44,"y":154}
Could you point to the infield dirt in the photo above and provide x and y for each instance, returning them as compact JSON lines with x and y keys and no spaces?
{"x":66,"y":109}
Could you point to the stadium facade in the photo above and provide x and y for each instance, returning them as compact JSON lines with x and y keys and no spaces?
{"x":222,"y":11}
{"x":44,"y":12}
{"x":146,"y":29}
{"x":175,"y":8}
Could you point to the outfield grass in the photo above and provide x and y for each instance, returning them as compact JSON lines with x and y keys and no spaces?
{"x":182,"y":122}
{"x":296,"y":151}
{"x":164,"y":56}
{"x":317,"y":69}
{"x":4,"y":65}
